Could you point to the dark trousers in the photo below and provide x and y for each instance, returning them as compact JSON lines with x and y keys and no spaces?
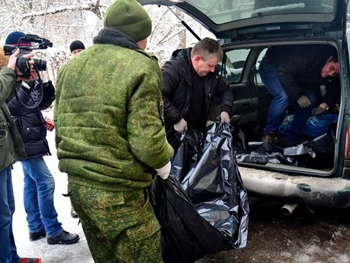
{"x":8,"y":251}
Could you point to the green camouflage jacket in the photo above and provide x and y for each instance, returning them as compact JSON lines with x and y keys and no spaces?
{"x":109,"y":116}
{"x":11,"y":146}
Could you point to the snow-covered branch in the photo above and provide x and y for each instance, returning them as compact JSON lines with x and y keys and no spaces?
{"x":92,"y":7}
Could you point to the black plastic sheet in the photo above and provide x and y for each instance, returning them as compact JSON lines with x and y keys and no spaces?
{"x":207,"y":171}
{"x":314,"y":153}
{"x":203,"y":206}
{"x":186,"y":236}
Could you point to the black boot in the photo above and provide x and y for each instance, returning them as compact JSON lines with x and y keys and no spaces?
{"x":65,"y":238}
{"x":37,"y":235}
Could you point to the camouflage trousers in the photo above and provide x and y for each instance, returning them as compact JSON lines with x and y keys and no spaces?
{"x":119,"y":226}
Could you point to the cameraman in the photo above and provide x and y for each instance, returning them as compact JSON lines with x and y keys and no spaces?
{"x":11,"y":148}
{"x":39,"y":184}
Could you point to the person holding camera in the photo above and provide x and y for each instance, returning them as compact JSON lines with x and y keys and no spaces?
{"x":11,"y":148}
{"x":39,"y":184}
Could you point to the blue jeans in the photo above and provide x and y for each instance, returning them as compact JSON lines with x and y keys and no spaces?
{"x":38,"y":195}
{"x":280,"y":103}
{"x":295,"y":133}
{"x":8,"y":251}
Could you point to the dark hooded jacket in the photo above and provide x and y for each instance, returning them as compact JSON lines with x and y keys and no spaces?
{"x":299,"y":67}
{"x":30,"y":121}
{"x":189,"y":96}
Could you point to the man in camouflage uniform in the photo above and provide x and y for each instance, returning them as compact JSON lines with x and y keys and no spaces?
{"x":109,"y":117}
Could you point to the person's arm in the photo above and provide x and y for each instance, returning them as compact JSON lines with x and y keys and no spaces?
{"x":8,"y":76}
{"x":225,"y":95}
{"x":145,"y":126}
{"x":330,"y":98}
{"x":333,"y":92}
{"x":7,"y":80}
{"x":171,"y":79}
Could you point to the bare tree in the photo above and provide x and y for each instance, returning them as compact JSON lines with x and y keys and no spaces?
{"x":63,"y":21}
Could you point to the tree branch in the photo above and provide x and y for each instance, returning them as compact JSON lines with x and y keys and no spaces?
{"x":94,"y":8}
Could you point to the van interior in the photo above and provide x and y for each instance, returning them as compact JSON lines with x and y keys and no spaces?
{"x":251,"y":104}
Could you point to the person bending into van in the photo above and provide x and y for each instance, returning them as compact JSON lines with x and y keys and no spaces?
{"x":190,"y":83}
{"x":293,"y":75}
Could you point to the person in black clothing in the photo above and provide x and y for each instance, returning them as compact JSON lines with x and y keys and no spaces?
{"x":39,"y":184}
{"x":190,"y":84}
{"x":76,"y":47}
{"x":293,"y":75}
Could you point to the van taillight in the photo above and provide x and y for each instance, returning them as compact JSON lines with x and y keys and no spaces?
{"x":347,"y":145}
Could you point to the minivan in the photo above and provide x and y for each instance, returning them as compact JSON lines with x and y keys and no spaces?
{"x":316,"y":172}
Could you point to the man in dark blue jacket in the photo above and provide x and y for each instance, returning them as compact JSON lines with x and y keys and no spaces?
{"x":293,"y":75}
{"x":39,"y":184}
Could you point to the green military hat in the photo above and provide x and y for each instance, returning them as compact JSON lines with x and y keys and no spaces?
{"x":130,"y":18}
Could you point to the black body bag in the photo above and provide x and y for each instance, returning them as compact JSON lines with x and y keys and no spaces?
{"x":186,"y":236}
{"x":202,"y":207}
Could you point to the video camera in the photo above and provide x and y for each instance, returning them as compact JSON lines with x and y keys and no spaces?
{"x":28,"y":43}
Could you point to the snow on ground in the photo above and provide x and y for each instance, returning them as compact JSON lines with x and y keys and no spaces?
{"x":76,"y":253}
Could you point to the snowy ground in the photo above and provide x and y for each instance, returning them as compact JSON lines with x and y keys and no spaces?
{"x":77,"y":253}
{"x":320,"y":236}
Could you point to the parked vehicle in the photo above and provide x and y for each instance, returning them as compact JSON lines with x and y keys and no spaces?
{"x":316,"y":173}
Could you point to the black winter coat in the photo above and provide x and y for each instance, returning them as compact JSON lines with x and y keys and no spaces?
{"x":30,"y":122}
{"x":178,"y":75}
{"x":299,"y":67}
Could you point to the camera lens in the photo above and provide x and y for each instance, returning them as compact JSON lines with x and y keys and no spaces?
{"x":40,"y":64}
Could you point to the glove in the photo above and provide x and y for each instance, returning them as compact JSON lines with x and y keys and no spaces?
{"x":49,"y":89}
{"x":224,"y":117}
{"x":181,"y":126}
{"x":164,"y":171}
{"x":304,"y":102}
{"x":317,"y":111}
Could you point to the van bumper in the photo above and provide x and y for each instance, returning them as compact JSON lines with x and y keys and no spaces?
{"x":312,"y":191}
